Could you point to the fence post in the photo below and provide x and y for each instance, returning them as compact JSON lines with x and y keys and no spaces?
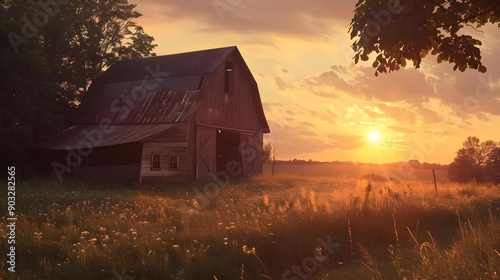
{"x":434,"y":176}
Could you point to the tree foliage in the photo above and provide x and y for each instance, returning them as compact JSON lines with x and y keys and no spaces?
{"x":476,"y":161}
{"x":82,"y":38}
{"x":398,"y":31}
{"x":265,"y":154}
{"x":30,"y":109}
{"x":493,"y":165}
{"x":50,"y":51}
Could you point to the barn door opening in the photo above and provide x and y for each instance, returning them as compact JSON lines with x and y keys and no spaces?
{"x":227,"y":146}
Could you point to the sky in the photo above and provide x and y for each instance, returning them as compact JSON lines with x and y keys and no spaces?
{"x":318,"y":103}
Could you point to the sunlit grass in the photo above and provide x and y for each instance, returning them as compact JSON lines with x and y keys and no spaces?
{"x":72,"y":230}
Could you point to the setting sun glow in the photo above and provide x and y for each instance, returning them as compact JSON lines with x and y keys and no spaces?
{"x":374,"y":137}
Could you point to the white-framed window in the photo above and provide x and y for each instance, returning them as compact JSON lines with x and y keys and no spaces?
{"x":173,"y":162}
{"x":155,"y":162}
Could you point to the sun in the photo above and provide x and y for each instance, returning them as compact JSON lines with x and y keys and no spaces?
{"x":374,"y":137}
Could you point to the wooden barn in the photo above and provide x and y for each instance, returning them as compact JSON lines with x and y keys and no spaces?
{"x":195,"y":115}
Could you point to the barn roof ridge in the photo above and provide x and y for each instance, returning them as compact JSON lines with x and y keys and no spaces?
{"x":182,"y":53}
{"x":130,"y":123}
{"x":166,"y":77}
{"x":170,"y":65}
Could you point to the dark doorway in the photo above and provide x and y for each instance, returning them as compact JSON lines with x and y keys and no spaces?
{"x":228,"y":145}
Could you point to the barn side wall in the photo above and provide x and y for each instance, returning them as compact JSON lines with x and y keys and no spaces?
{"x":118,"y":163}
{"x":233,"y":111}
{"x":191,"y":149}
{"x":172,"y":142}
{"x":109,"y":173}
{"x":236,"y":110}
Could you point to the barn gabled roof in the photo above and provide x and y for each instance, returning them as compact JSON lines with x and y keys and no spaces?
{"x":136,"y":94}
{"x":129,"y":80}
{"x":181,"y":64}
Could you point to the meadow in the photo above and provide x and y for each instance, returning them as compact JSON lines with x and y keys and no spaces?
{"x":268,"y":227}
{"x":358,"y":170}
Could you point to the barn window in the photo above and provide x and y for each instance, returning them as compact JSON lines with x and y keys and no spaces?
{"x":173,"y":162}
{"x":155,"y":162}
{"x":228,"y":77}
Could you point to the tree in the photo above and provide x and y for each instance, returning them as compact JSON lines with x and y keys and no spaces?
{"x":401,"y":30}
{"x":493,"y":165}
{"x":265,"y":154}
{"x":30,"y":108}
{"x":471,"y":160}
{"x":50,"y":51}
{"x":274,"y":156}
{"x":83,"y":38}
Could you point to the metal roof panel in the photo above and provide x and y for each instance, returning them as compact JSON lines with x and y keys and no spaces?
{"x":91,"y":135}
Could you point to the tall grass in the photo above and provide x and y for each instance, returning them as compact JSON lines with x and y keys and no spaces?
{"x":72,"y":230}
{"x":475,"y":255}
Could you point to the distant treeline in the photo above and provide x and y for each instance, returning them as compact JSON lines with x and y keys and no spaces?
{"x":409,"y":164}
{"x":477,"y":162}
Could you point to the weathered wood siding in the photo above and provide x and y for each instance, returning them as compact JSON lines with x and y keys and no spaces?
{"x":236,"y":110}
{"x":118,"y":163}
{"x":172,"y":142}
{"x":177,"y":134}
{"x":191,"y":149}
{"x":124,"y":154}
{"x":165,"y":149}
{"x":112,"y":173}
{"x":206,"y":163}
{"x":251,"y":149}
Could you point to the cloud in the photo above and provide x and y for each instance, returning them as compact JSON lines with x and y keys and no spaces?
{"x":282,"y":84}
{"x":403,"y":130}
{"x":327,"y":83}
{"x":294,"y":17}
{"x":295,"y":140}
{"x":407,"y":85}
{"x":428,"y":116}
{"x":327,"y":115}
{"x":282,"y":78}
{"x":380,"y":113}
{"x":304,"y":123}
{"x":469,"y":93}
{"x":346,"y":142}
{"x":373,"y":112}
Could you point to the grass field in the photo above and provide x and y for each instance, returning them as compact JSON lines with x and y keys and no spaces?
{"x":268,"y":227}
{"x":356,"y":171}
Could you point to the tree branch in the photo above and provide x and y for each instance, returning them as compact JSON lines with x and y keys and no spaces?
{"x":466,"y":19}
